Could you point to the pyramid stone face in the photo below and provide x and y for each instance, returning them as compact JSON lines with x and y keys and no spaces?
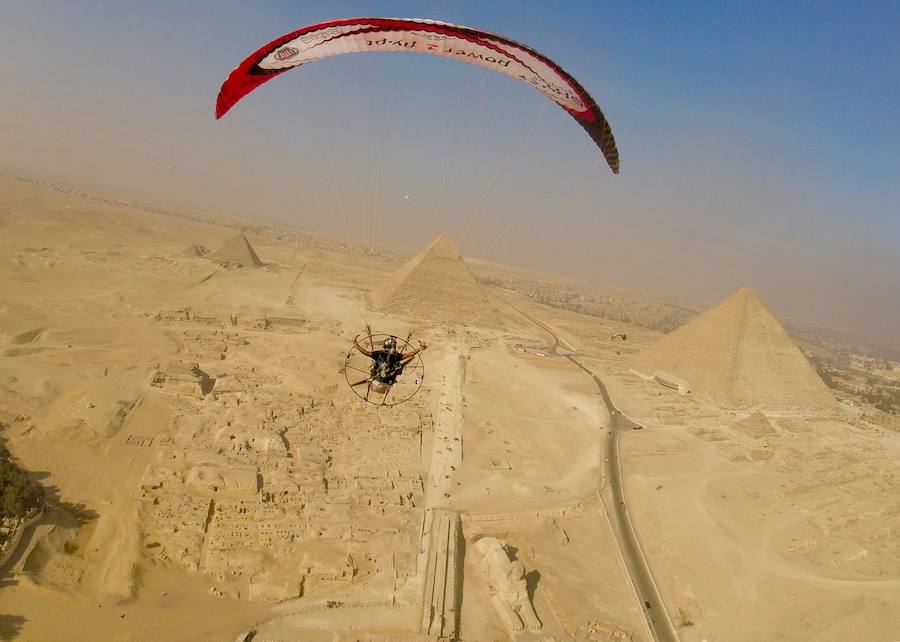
{"x":737,"y":355}
{"x":442,"y":247}
{"x":195,"y":250}
{"x":437,"y":285}
{"x":237,"y":251}
{"x":756,"y":425}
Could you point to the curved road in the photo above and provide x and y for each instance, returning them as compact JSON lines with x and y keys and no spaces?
{"x":613,"y":495}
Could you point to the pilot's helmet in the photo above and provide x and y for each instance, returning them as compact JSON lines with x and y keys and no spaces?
{"x":390,"y":343}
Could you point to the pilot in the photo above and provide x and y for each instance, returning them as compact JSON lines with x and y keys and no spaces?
{"x":387,"y":363}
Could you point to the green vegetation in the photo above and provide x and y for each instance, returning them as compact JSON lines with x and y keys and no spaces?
{"x":18,"y":493}
{"x":876,"y":391}
{"x":885,"y":400}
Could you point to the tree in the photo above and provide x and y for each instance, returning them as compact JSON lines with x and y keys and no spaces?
{"x":18,"y":492}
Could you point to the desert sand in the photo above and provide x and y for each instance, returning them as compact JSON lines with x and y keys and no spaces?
{"x":212,"y":477}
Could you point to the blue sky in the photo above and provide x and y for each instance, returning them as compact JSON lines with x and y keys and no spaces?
{"x":759,"y":141}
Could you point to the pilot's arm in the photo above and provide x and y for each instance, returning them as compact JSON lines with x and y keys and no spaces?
{"x":356,"y":345}
{"x":406,"y":356}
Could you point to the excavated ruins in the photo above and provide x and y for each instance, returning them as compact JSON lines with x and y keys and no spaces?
{"x":213,"y":477}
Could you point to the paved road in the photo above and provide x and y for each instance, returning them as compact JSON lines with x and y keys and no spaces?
{"x":613,"y":495}
{"x":614,"y":498}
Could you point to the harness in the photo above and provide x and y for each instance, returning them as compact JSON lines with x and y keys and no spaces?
{"x":386,"y":367}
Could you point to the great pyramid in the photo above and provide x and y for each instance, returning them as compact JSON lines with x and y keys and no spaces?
{"x":237,"y":251}
{"x":437,"y":285}
{"x":737,"y":355}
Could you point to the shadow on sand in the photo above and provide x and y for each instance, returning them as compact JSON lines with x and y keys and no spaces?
{"x":10,"y":626}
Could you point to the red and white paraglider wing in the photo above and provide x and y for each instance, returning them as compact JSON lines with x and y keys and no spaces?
{"x":360,"y":35}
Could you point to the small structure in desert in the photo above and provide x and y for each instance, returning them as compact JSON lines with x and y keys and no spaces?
{"x":737,"y":355}
{"x":195,"y":250}
{"x":221,"y":478}
{"x":437,"y":285}
{"x":237,"y":252}
{"x":182,"y":378}
{"x":756,"y":426}
{"x":506,"y":585}
{"x":245,"y":439}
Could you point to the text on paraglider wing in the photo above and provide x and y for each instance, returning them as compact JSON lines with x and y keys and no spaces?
{"x":359,"y":35}
{"x":406,"y":44}
{"x":437,"y":48}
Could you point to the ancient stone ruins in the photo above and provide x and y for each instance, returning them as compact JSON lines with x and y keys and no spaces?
{"x":210,"y":475}
{"x":506,"y":585}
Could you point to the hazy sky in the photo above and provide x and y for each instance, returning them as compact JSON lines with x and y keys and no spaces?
{"x":759,"y":143}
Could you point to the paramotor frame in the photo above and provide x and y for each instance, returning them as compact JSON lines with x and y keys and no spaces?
{"x":358,"y":372}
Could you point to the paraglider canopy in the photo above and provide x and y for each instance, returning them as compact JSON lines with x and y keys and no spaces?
{"x":360,"y":35}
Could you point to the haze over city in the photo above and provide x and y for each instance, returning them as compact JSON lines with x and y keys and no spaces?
{"x":759,"y":147}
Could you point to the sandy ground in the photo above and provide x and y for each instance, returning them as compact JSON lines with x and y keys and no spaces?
{"x":783,"y":533}
{"x":753,"y":550}
{"x":103,"y":317}
{"x":531,"y":437}
{"x":194,"y":431}
{"x":529,"y":475}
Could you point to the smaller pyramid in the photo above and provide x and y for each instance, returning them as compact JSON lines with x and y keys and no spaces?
{"x":237,"y":252}
{"x":737,"y":355}
{"x":756,"y":425}
{"x":194,"y":250}
{"x":437,"y":285}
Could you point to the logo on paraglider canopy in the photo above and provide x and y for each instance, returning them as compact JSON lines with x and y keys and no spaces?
{"x":286,"y":53}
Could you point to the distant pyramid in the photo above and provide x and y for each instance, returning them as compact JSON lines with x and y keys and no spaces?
{"x":237,"y":251}
{"x":437,"y":285}
{"x":195,"y":250}
{"x":756,"y":425}
{"x":737,"y":355}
